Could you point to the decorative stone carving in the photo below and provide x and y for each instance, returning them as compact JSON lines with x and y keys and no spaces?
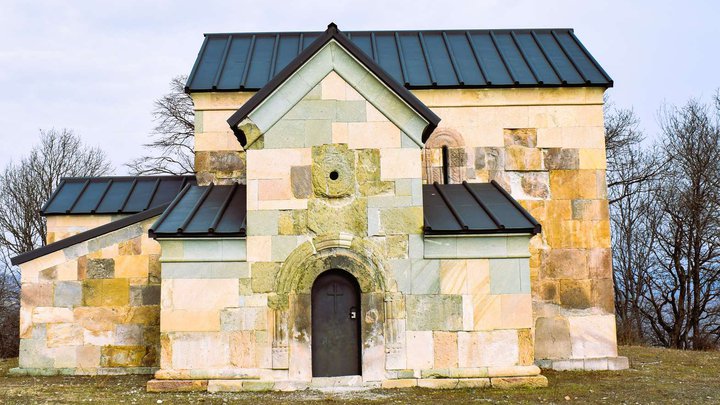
{"x":333,"y":170}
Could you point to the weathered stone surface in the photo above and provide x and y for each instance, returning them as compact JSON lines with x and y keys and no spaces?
{"x":101,"y":268}
{"x":526,"y":137}
{"x":301,"y":181}
{"x":479,"y":158}
{"x":242,"y":349}
{"x":560,"y":158}
{"x":535,"y":184}
{"x":36,"y":295}
{"x":64,"y":334}
{"x":526,"y":347}
{"x":106,"y":292}
{"x":176,"y":385}
{"x":446,"y":349}
{"x":522,"y":158}
{"x":333,"y":170}
{"x":220,"y":161}
{"x":130,"y":247}
{"x":129,"y":335}
{"x":434,"y":312}
{"x":575,"y":294}
{"x":552,"y":338}
{"x":438,"y":383}
{"x":407,"y":220}
{"x":491,"y":348}
{"x":539,"y":381}
{"x":263,"y":276}
{"x":100,"y":319}
{"x":400,"y":383}
{"x":326,"y":218}
{"x":125,"y":356}
{"x":52,"y":315}
{"x":425,"y":276}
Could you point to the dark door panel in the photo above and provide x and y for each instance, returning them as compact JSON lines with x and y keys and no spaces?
{"x":335,"y":325}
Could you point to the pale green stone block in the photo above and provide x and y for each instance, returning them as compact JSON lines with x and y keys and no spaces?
{"x":407,"y":142}
{"x":317,"y":132}
{"x":313,"y":110}
{"x":518,"y":246}
{"x":482,"y":247}
{"x":434,"y":312}
{"x":172,"y":249}
{"x":524,"y":270}
{"x":205,"y":270}
{"x":416,"y":246}
{"x":294,"y":89}
{"x":389,"y":201}
{"x":262,"y":222}
{"x":402,"y":273}
{"x":269,"y":112}
{"x":68,"y":294}
{"x":317,"y":67}
{"x":439,"y":248}
{"x":351,"y":111}
{"x":281,"y":247}
{"x":426,"y":276}
{"x":417,"y":194}
{"x":505,"y":276}
{"x":314,"y":94}
{"x":373,"y":221}
{"x":203,"y":250}
{"x":286,"y":134}
{"x":234,"y":249}
{"x":403,"y":187}
{"x":348,"y":68}
{"x":370,"y":87}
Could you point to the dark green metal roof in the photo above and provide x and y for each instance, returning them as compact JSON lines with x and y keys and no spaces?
{"x":204,"y":211}
{"x":415,"y":59}
{"x":474,"y":208}
{"x":113,"y":195}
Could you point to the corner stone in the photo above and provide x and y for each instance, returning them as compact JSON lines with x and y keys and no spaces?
{"x":176,"y":385}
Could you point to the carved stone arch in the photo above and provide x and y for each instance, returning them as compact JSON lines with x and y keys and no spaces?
{"x":357,"y":256}
{"x":445,"y":144}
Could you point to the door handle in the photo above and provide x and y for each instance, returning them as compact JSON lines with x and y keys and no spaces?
{"x":353,"y":313}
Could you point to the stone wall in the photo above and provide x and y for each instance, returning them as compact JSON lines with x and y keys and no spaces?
{"x":546,"y":147}
{"x":63,"y":226}
{"x":93,"y":308}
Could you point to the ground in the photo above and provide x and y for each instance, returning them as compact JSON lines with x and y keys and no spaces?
{"x":656,"y":376}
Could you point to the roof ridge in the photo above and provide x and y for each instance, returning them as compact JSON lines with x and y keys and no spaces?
{"x":128,"y":177}
{"x":434,"y":30}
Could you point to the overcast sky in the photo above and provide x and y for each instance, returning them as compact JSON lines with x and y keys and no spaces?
{"x":97,"y":66}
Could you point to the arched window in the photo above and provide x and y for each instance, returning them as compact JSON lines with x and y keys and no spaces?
{"x":444,"y":157}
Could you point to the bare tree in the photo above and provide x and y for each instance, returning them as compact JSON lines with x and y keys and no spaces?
{"x":24,"y":188}
{"x":684,"y":284}
{"x":171,"y":150}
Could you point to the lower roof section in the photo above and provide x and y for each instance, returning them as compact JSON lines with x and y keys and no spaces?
{"x":474,"y":208}
{"x":204,"y":211}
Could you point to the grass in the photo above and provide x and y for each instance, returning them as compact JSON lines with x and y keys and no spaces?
{"x":656,"y":376}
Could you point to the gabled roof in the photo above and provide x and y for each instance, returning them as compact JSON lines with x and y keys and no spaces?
{"x":474,"y":208}
{"x":332,"y":34}
{"x":415,"y":59}
{"x":113,"y":195}
{"x":204,"y":211}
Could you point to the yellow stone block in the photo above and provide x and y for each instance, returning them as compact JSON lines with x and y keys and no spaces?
{"x":522,"y":158}
{"x":592,"y":159}
{"x":131,"y":266}
{"x":478,"y":276}
{"x":516,"y":311}
{"x":487,"y":312}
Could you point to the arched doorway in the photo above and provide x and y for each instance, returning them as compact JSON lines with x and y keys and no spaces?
{"x":335,"y":325}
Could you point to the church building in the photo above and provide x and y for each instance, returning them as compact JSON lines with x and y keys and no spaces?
{"x":370,"y":209}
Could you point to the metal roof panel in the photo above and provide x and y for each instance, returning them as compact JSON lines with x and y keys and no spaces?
{"x":416,"y":59}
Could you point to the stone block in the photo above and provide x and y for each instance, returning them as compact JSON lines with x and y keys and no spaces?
{"x":523,"y":158}
{"x":176,"y":385}
{"x":420,"y":353}
{"x":36,"y":294}
{"x":561,"y":159}
{"x":552,"y":338}
{"x":402,"y":274}
{"x":351,"y":111}
{"x":453,"y":277}
{"x":492,"y":348}
{"x":242,"y":349}
{"x":434,"y":312}
{"x":445,"y":349}
{"x":258,"y":248}
{"x":387,"y":135}
{"x":400,"y":163}
{"x":473,"y":383}
{"x":124,"y":356}
{"x":64,"y":334}
{"x":539,"y":381}
{"x":52,"y":315}
{"x":100,"y":268}
{"x":190,"y":321}
{"x":263,"y":276}
{"x":593,"y":336}
{"x":262,"y":222}
{"x":325,"y":218}
{"x":282,"y":246}
{"x":526,"y":137}
{"x":130,"y":247}
{"x":301,"y":181}
{"x":274,"y":189}
{"x":100,"y":319}
{"x":106,"y":292}
{"x":87,"y":357}
{"x":98,"y":338}
{"x":131,"y":266}
{"x":399,"y":383}
{"x":200,"y":350}
{"x":506,"y":276}
{"x":426,"y":276}
{"x":408,"y":220}
{"x":194,"y":294}
{"x":575,"y":294}
{"x":438,"y":383}
{"x":566,"y":264}
{"x":129,"y":335}
{"x":526,"y":346}
{"x":535,"y":184}
{"x":618,"y":363}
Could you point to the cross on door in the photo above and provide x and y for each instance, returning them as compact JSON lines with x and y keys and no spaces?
{"x":335,"y":294}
